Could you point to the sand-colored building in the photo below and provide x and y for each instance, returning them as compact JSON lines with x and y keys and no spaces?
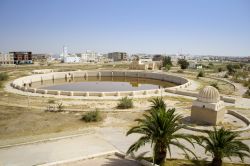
{"x":208,"y":108}
{"x":138,"y":64}
{"x":6,"y":59}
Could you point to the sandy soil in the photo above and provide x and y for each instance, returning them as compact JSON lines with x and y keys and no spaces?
{"x":112,"y":160}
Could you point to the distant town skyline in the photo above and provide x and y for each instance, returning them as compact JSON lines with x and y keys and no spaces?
{"x":208,"y":27}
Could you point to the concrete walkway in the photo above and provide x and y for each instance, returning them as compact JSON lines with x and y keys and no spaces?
{"x":103,"y":140}
{"x":51,"y":151}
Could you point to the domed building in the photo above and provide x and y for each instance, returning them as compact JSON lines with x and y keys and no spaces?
{"x":208,"y":108}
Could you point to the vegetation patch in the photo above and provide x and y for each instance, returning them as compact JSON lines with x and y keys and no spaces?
{"x":215,"y":85}
{"x":201,"y":74}
{"x":92,"y":116}
{"x":183,"y":63}
{"x":247,"y":93}
{"x":125,"y":103}
{"x":4,"y":76}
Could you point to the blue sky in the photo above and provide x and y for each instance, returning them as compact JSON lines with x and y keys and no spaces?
{"x":217,"y":27}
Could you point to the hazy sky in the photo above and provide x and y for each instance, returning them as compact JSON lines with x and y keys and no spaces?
{"x":218,"y":27}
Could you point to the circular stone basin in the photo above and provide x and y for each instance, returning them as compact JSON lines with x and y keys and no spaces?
{"x":102,"y":84}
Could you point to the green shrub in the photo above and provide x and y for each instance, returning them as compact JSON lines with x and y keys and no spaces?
{"x":226,"y":76}
{"x":51,"y":101}
{"x":246,"y":83}
{"x":201,"y":74}
{"x":167,"y":61}
{"x":183,"y":63}
{"x":60,"y":107}
{"x":1,"y":84}
{"x":4,"y":76}
{"x":220,"y":69}
{"x":92,"y":116}
{"x":215,"y":85}
{"x":167,"y":67}
{"x":158,"y":103}
{"x":247,"y":93}
{"x":125,"y":103}
{"x":180,"y":71}
{"x":210,"y":64}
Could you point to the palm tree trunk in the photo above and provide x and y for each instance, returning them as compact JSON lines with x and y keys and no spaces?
{"x":216,"y":161}
{"x":160,"y":154}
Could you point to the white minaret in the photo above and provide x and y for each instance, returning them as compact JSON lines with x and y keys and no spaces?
{"x":65,"y":51}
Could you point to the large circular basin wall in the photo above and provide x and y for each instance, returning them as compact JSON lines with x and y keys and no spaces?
{"x":23,"y":82}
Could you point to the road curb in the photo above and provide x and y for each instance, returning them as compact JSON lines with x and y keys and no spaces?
{"x":45,"y":140}
{"x":80,"y":158}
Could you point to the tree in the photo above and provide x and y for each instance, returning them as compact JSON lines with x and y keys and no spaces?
{"x":231,"y":69}
{"x":223,"y":143}
{"x":183,"y":63}
{"x":167,"y":61}
{"x":159,"y":127}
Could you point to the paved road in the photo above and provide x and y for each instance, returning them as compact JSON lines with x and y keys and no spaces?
{"x":103,"y":140}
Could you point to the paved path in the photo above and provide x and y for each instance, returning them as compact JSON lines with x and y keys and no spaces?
{"x":103,"y":140}
{"x":51,"y":151}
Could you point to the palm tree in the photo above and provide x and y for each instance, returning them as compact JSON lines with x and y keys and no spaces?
{"x":159,"y":127}
{"x":223,"y":143}
{"x":158,"y":103}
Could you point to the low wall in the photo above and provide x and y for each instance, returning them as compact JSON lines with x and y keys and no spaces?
{"x":24,"y":82}
{"x":241,"y":117}
{"x":234,"y":113}
{"x":180,"y":91}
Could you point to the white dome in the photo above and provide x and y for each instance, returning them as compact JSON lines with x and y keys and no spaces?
{"x":209,"y":94}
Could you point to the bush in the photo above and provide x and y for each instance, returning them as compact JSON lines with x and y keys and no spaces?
{"x":51,"y":101}
{"x":247,"y":93}
{"x":60,"y":107}
{"x":92,"y":116}
{"x":158,"y":103}
{"x":167,"y":67}
{"x":226,"y":76}
{"x":215,"y":85}
{"x":220,"y":69}
{"x":210,"y":64}
{"x":4,"y":76}
{"x":201,"y":74}
{"x":125,"y":103}
{"x":246,"y":83}
{"x":183,"y":63}
{"x":167,"y":61}
{"x":180,"y":71}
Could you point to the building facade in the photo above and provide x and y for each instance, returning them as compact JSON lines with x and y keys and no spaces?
{"x":41,"y":58}
{"x":118,"y":56}
{"x":157,"y":57}
{"x":71,"y":59}
{"x":89,"y":56}
{"x":6,"y":59}
{"x":22,"y":57}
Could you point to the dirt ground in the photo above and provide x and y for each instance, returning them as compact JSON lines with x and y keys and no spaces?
{"x":23,"y":116}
